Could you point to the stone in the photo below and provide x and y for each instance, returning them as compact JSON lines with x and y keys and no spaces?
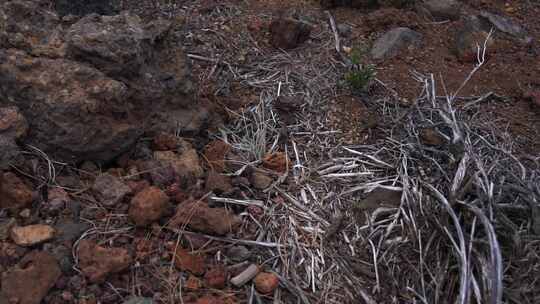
{"x":116,"y":45}
{"x":30,"y":281}
{"x":68,"y":231}
{"x":10,"y":253}
{"x":238,"y":253}
{"x":26,"y":26}
{"x":68,"y":296}
{"x":431,"y":137}
{"x":350,"y":3}
{"x":64,"y":256}
{"x":89,"y":170}
{"x":84,"y":85}
{"x":215,"y":153}
{"x":5,"y":227}
{"x":266,"y":282}
{"x":199,"y":216}
{"x":139,"y":300}
{"x":276,"y":161}
{"x":97,"y":262}
{"x":506,"y":25}
{"x":13,"y":127}
{"x":187,"y":261}
{"x":14,"y":193}
{"x":148,"y":206}
{"x":25,"y":213}
{"x":109,"y":190}
{"x":209,"y":299}
{"x":84,"y":7}
{"x":123,"y":45}
{"x":193,"y":283}
{"x":185,"y":163}
{"x":534,"y":97}
{"x":470,"y":34}
{"x":379,"y":197}
{"x":395,"y":41}
{"x":197,"y":241}
{"x":344,"y":30}
{"x":160,"y":173}
{"x":288,"y":33}
{"x":165,"y":142}
{"x":241,"y":181}
{"x":287,"y":107}
{"x":64,"y":102}
{"x":218,"y":183}
{"x":216,"y":277}
{"x":32,"y":234}
{"x":137,"y":186}
{"x":260,"y":180}
{"x":57,"y":198}
{"x":440,"y":10}
{"x":207,"y":6}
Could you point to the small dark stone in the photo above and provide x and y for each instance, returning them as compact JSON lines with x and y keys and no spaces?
{"x":344,"y":30}
{"x":288,"y":33}
{"x":76,"y":283}
{"x":69,"y":231}
{"x":64,"y":257}
{"x":239,"y":253}
{"x":431,"y":137}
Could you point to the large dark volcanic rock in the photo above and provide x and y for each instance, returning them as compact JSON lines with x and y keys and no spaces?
{"x":89,"y":89}
{"x":85,"y":7}
{"x":74,"y":110}
{"x":25,"y":26}
{"x":13,"y":126}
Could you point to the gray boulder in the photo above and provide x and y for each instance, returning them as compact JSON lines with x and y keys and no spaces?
{"x":116,"y":45}
{"x":392,"y":42}
{"x":440,"y":10}
{"x":506,"y":25}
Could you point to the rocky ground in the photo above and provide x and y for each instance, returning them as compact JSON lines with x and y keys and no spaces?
{"x":231,"y":152}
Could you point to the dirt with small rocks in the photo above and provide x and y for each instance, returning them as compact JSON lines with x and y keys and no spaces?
{"x":109,"y":124}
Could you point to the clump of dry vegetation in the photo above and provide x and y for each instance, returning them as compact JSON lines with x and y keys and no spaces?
{"x":462,"y":230}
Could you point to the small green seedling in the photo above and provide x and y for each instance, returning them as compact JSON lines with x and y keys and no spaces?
{"x":361,"y":75}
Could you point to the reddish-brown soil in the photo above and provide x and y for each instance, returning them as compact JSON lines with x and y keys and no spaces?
{"x":512,"y":68}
